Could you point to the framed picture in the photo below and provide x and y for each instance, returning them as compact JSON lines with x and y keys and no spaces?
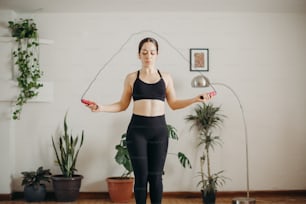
{"x":199,"y":59}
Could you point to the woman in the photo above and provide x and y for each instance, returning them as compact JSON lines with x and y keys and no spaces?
{"x":147,"y":134}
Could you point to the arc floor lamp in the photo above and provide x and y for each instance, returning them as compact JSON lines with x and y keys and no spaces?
{"x":201,"y":81}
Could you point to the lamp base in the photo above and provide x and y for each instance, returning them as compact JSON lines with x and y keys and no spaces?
{"x":242,"y":200}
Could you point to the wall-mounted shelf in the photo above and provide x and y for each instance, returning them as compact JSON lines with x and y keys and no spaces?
{"x":41,"y":40}
{"x":9,"y":88}
{"x":9,"y":91}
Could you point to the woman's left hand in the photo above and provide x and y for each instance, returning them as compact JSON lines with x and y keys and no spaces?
{"x":204,"y":97}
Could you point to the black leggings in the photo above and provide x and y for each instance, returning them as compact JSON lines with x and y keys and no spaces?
{"x":147,"y":142}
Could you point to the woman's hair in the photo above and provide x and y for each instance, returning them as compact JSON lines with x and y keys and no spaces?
{"x":145,"y":40}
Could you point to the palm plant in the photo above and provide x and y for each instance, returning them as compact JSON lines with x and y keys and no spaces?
{"x":205,"y":119}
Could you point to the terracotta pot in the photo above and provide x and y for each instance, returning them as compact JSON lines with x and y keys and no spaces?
{"x":120,"y":189}
{"x":66,"y":189}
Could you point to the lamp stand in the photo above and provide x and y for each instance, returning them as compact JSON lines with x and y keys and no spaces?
{"x":242,"y":200}
{"x":247,"y":199}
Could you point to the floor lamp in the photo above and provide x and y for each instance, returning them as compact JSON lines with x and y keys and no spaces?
{"x":201,"y":81}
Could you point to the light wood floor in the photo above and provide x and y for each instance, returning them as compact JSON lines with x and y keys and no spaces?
{"x":225,"y":200}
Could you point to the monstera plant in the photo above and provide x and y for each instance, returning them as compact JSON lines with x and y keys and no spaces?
{"x":121,"y":187}
{"x":122,"y":156}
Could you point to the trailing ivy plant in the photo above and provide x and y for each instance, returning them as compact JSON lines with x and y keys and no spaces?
{"x":26,"y":59}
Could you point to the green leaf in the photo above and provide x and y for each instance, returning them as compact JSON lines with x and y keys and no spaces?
{"x":172,"y":132}
{"x":25,"y":33}
{"x":184,"y":160}
{"x":69,"y":150}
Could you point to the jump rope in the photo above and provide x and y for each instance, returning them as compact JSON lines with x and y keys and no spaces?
{"x":88,"y":102}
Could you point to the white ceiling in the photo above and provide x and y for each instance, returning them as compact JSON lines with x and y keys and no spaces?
{"x":97,"y":6}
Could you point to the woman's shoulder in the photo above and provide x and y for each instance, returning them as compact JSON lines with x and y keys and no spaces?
{"x":165,"y":75}
{"x":131,"y":76}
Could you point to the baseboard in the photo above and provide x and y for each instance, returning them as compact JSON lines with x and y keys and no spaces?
{"x":270,"y":193}
{"x":5,"y":197}
{"x":51,"y":196}
{"x":181,"y":194}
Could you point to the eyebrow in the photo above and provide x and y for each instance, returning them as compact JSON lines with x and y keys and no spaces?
{"x":148,"y":50}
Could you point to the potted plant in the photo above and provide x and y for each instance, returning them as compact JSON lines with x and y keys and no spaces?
{"x":205,"y":119}
{"x":67,"y":185}
{"x":121,"y":188}
{"x":27,"y":61}
{"x":33,"y":182}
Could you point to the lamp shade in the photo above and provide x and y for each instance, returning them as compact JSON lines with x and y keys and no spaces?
{"x":200,"y":81}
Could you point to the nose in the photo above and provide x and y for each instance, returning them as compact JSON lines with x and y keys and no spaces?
{"x":149,"y":55}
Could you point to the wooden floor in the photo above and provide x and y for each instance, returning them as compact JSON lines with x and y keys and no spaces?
{"x":261,"y":197}
{"x":224,"y":200}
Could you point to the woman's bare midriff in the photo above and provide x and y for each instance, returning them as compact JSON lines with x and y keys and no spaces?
{"x":149,"y":107}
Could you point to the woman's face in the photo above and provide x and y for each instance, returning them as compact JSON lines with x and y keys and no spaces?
{"x":148,"y":54}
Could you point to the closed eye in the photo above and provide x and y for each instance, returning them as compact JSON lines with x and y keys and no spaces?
{"x":145,"y":52}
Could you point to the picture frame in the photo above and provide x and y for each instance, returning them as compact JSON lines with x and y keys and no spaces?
{"x":199,"y":59}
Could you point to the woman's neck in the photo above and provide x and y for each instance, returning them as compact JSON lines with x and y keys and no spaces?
{"x":148,"y":70}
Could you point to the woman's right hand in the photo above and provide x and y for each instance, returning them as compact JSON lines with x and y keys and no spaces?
{"x":93,"y":107}
{"x":90,"y":104}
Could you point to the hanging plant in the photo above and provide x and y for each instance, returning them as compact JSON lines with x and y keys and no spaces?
{"x":26,"y":59}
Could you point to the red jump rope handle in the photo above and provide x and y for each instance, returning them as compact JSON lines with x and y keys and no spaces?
{"x":87,"y":102}
{"x":211,"y":94}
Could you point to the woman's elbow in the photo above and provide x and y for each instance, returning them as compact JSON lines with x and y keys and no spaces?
{"x":123,"y":107}
{"x":173,"y":107}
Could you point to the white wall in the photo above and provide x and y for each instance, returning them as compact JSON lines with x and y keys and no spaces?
{"x":6,"y":127}
{"x":260,"y":55}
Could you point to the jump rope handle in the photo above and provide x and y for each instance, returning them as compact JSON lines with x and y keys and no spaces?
{"x":87,"y":102}
{"x":211,"y":94}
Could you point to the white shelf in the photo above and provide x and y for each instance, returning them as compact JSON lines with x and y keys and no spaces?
{"x":9,"y":91}
{"x":41,"y":40}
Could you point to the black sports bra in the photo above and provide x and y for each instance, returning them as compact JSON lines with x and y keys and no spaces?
{"x":143,"y":90}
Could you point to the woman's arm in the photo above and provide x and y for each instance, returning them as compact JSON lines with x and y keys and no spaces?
{"x":119,"y":106}
{"x":175,"y":103}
